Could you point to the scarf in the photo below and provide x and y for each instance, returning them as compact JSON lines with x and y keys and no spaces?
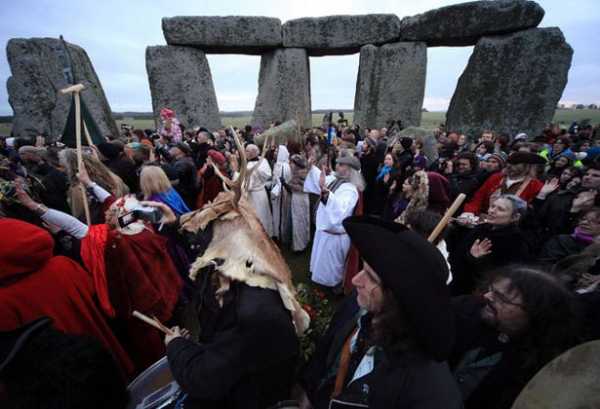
{"x":581,"y":237}
{"x":172,"y":199}
{"x":383,"y":171}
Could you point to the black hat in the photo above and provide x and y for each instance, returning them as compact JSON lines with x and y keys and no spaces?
{"x":11,"y":342}
{"x":406,"y":142}
{"x":109,"y":150}
{"x":527,"y":158}
{"x":415,"y":271}
{"x":184,"y":148}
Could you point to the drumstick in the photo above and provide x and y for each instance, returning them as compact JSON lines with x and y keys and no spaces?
{"x":447,"y":216}
{"x":152,"y":322}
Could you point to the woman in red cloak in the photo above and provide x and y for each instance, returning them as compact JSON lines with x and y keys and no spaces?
{"x":130,"y":267}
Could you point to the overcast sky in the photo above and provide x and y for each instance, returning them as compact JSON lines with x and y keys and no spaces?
{"x":115,"y":35}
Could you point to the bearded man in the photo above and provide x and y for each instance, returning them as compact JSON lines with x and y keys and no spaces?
{"x":339,"y":194}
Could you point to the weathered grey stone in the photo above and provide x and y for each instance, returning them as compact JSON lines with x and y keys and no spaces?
{"x":335,"y":35}
{"x":512,"y":83}
{"x":283,"y":88}
{"x":430,"y":149}
{"x":463,"y":24}
{"x":232,"y":34}
{"x":180,"y":79}
{"x":37,"y":66}
{"x":390,"y":84}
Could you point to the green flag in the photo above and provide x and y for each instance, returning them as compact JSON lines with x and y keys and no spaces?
{"x":68,"y":136}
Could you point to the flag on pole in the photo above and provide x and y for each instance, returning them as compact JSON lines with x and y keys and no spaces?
{"x":68,"y":136}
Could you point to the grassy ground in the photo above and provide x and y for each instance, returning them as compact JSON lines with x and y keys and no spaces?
{"x":429,"y":120}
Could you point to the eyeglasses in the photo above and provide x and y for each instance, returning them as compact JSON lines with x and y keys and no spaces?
{"x":502,"y":297}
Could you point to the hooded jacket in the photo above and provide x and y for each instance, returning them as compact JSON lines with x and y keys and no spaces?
{"x":34,"y":283}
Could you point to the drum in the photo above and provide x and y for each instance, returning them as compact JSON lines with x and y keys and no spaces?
{"x":571,"y":380}
{"x":154,"y":385}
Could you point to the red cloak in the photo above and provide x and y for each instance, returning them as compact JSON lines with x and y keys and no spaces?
{"x":33,"y":284}
{"x":141,"y":276}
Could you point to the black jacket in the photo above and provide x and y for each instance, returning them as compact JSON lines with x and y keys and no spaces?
{"x":508,"y":246}
{"x":464,"y":183}
{"x":246,"y":355}
{"x":408,"y":380}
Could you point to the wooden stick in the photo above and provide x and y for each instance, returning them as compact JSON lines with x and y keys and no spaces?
{"x":152,"y":322}
{"x":88,"y":138}
{"x":86,"y":207}
{"x":447,"y":216}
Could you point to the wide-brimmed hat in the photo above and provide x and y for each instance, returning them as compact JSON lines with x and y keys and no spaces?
{"x":415,"y":272}
{"x":527,"y":158}
{"x":11,"y":342}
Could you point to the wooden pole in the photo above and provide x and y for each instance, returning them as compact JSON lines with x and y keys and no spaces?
{"x":88,"y":138}
{"x":446,"y":219}
{"x":76,"y":89}
{"x":152,"y":322}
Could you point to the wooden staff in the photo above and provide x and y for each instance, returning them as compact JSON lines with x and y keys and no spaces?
{"x":447,"y":216}
{"x":153,"y":322}
{"x":76,"y":89}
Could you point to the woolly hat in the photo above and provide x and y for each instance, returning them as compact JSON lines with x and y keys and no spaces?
{"x":351,"y":161}
{"x":217,"y":157}
{"x":415,"y":272}
{"x":500,"y":157}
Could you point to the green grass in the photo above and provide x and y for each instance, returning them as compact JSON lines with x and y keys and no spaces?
{"x":429,"y":120}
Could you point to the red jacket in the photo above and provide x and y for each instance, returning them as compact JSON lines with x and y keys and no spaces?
{"x":34,"y":283}
{"x":480,"y":201}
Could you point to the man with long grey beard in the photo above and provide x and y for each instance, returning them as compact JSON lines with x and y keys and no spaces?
{"x":339,"y":194}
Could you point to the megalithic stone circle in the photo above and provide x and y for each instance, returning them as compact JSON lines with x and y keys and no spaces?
{"x":335,"y":35}
{"x":37,"y":66}
{"x":231,"y":34}
{"x":283,"y":88}
{"x":390,"y":84}
{"x":512,"y":83}
{"x":180,"y":79}
{"x":465,"y":23}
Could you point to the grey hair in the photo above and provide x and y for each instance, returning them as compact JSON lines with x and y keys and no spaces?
{"x":519,"y":205}
{"x":355,"y":178}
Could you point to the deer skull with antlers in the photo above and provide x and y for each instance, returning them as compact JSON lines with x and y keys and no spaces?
{"x":240,"y":244}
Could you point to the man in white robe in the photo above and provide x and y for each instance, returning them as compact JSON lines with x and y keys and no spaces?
{"x":280,"y":197}
{"x":339,"y":195}
{"x":257,"y":194}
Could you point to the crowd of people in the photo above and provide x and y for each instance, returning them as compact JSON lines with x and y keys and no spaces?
{"x":463,"y":317}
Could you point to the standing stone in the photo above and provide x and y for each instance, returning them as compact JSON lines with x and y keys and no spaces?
{"x":390,"y":84}
{"x":232,"y":34}
{"x":335,"y":35}
{"x":512,"y":83}
{"x":37,"y":67}
{"x":180,"y":79}
{"x":464,"y":24}
{"x":283,"y":88}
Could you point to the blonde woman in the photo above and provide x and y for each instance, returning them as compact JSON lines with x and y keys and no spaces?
{"x":155,"y":186}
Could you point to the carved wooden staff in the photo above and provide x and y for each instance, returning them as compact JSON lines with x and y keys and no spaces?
{"x":447,"y":216}
{"x":76,"y":89}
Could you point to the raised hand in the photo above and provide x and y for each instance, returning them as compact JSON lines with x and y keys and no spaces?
{"x":322,"y":183}
{"x":481,"y":248}
{"x":83,"y":176}
{"x":549,"y":187}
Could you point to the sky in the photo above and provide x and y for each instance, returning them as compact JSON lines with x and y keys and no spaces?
{"x":115,"y":35}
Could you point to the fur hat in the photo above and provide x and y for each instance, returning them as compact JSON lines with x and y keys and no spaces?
{"x":415,"y":272}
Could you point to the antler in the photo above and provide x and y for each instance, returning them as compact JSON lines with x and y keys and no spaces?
{"x":239,"y":183}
